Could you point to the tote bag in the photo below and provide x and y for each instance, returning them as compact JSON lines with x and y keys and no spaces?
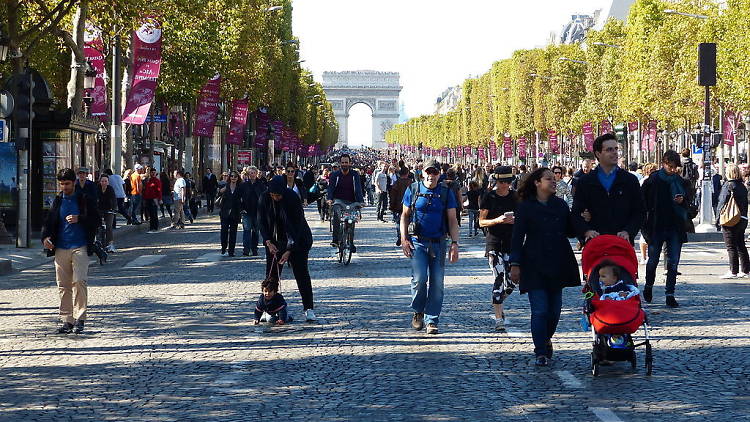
{"x":730,"y":213}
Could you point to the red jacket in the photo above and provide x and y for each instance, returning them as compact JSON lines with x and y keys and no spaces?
{"x":152,"y":188}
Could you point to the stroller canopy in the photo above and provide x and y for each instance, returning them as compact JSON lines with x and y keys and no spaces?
{"x":612,"y":248}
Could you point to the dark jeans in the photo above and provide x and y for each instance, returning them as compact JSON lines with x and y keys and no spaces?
{"x":228,"y":235}
{"x":546,"y":305}
{"x":382,"y":204}
{"x":210,"y":200}
{"x":153,"y":218}
{"x":135,"y":208}
{"x":166,"y":202}
{"x":298,"y":261}
{"x":674,"y":248}
{"x":397,"y":221}
{"x":250,"y":233}
{"x":734,"y":240}
{"x":122,"y":209}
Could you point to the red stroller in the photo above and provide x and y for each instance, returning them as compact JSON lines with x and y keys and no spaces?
{"x":613,"y":321}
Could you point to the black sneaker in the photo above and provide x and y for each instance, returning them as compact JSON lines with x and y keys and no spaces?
{"x":542,"y":361}
{"x":398,"y":242}
{"x":255,"y":252}
{"x":245,"y":253}
{"x":647,"y":293}
{"x":66,"y":328}
{"x":78,"y":328}
{"x":354,"y":249}
{"x":672,"y":302}
{"x":417,"y":321}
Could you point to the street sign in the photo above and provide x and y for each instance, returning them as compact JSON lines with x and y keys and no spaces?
{"x":158,"y":118}
{"x":3,"y":131}
{"x":6,"y":104}
{"x":697,"y":150}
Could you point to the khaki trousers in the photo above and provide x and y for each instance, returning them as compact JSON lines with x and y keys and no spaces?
{"x":178,"y":220}
{"x":72,"y":270}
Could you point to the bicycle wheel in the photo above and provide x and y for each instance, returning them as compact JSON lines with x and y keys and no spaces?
{"x":342,"y":242}
{"x":349,"y":242}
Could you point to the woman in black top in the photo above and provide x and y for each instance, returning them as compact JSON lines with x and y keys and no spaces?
{"x":734,"y":236}
{"x":106,"y":203}
{"x":472,"y":207}
{"x":496,"y":216}
{"x":231,"y":200}
{"x":166,"y":194}
{"x":541,"y":258}
{"x":294,"y":183}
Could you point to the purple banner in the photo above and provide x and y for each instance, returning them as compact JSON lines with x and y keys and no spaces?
{"x":588,"y":136}
{"x":522,"y":147}
{"x":507,"y":146}
{"x":606,"y":127}
{"x":652,"y":124}
{"x":262,"y":129}
{"x":208,"y":107}
{"x":237,"y":125}
{"x":146,"y":68}
{"x":729,"y":126}
{"x":632,"y":127}
{"x":554,"y":146}
{"x":93,"y":50}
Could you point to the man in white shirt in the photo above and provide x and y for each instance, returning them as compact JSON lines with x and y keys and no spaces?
{"x":381,"y":189}
{"x":178,"y":193}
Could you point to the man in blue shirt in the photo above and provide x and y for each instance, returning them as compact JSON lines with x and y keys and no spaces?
{"x":68,"y":231}
{"x":434,"y":214}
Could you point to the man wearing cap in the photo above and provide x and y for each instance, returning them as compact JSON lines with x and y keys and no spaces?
{"x":287,"y":237}
{"x":84,"y":185}
{"x":496,"y":213}
{"x":432,"y":209}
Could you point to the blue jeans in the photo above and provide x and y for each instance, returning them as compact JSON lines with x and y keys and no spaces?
{"x":674,"y":248}
{"x":545,"y":314}
{"x":428,"y":267}
{"x":135,"y":207}
{"x":473,"y":221}
{"x":250,"y":233}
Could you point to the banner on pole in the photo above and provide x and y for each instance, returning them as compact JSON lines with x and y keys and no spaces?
{"x":588,"y":136}
{"x":554,"y":146}
{"x":208,"y":107}
{"x":652,"y":135}
{"x":237,"y":125}
{"x":146,"y":48}
{"x":507,"y":146}
{"x":729,"y":126}
{"x":606,"y":127}
{"x":93,"y":49}
{"x":522,"y":147}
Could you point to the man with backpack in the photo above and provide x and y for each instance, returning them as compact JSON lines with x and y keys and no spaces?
{"x":432,"y":209}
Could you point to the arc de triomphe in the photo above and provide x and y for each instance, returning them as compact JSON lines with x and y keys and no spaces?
{"x":379,"y":90}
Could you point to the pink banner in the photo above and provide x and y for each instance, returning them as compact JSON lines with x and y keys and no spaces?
{"x":729,"y":125}
{"x":208,"y":107}
{"x":632,"y":127}
{"x":507,"y":146}
{"x":606,"y":127}
{"x":481,"y":154}
{"x":262,"y":128}
{"x":522,"y":147}
{"x":146,"y":68}
{"x":554,"y":147}
{"x":493,"y":151}
{"x":652,"y":135}
{"x":588,"y":136}
{"x":175,"y":126}
{"x":93,"y":50}
{"x":237,"y":125}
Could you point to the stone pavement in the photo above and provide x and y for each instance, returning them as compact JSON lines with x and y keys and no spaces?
{"x":169,"y":337}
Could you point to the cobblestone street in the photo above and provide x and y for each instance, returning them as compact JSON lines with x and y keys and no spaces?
{"x":170,"y":337}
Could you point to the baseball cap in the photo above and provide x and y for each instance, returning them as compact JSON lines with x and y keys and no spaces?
{"x":432,"y":164}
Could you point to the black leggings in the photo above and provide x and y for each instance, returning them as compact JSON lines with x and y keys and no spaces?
{"x":734,"y":240}
{"x":298,"y":261}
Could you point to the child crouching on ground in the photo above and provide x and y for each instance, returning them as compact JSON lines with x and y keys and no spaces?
{"x":271,"y":306}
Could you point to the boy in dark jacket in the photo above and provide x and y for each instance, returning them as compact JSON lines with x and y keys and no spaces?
{"x":68,"y":234}
{"x":271,"y":304}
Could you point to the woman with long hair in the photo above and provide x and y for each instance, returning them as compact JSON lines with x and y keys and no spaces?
{"x":541,"y":258}
{"x":231,"y":201}
{"x":734,"y":236}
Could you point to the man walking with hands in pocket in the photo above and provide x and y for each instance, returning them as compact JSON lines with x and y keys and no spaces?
{"x":432,"y":209}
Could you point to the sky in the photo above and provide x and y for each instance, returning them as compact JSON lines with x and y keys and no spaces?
{"x":433,"y":44}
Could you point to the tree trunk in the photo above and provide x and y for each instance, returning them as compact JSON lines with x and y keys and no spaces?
{"x":75,"y":42}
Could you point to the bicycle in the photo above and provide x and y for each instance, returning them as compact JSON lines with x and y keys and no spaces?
{"x":349,"y":214}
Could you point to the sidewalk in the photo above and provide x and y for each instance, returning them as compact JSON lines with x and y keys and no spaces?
{"x":25,"y":258}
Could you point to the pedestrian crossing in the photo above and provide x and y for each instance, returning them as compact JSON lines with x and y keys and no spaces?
{"x":144,"y":261}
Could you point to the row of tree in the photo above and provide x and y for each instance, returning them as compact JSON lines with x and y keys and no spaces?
{"x":641,"y":70}
{"x":248,"y":42}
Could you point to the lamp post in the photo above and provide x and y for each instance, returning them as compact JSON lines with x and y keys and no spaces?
{"x":565,"y":59}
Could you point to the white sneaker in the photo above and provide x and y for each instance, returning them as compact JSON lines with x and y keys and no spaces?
{"x":643,"y":261}
{"x":728,"y":276}
{"x":500,"y":325}
{"x":309,"y":315}
{"x":111,"y":249}
{"x":741,"y":275}
{"x":265,"y":317}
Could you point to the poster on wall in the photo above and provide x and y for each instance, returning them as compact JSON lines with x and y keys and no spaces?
{"x":8,"y":182}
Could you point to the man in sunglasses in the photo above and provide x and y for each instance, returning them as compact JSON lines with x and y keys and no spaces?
{"x":343,"y":185}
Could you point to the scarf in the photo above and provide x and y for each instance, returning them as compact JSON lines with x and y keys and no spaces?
{"x":675,"y":188}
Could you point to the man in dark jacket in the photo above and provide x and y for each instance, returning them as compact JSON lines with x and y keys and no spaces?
{"x":210,"y":184}
{"x":344,"y":185}
{"x":287,"y":237}
{"x":251,"y":189}
{"x":612,"y":196}
{"x":666,"y":216}
{"x":83,"y":184}
{"x":68,"y":234}
{"x":395,"y":196}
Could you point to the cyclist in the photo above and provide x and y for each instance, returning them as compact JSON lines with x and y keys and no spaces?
{"x":344,"y":185}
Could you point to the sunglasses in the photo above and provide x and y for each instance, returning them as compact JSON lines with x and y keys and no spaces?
{"x":290,"y":171}
{"x":558,"y":172}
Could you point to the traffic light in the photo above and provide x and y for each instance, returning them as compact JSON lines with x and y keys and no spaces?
{"x":621,"y":132}
{"x":23,"y":113}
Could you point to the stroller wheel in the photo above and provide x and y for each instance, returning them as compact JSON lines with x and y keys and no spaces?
{"x":594,"y":364}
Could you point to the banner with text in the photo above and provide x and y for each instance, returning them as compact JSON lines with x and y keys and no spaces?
{"x":239,"y":120}
{"x":522,"y":147}
{"x":146,"y":48}
{"x":208,"y":107}
{"x":554,"y":146}
{"x":588,"y":136}
{"x":93,"y":49}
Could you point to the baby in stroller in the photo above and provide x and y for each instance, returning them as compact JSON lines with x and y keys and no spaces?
{"x":612,"y":305}
{"x":612,"y":286}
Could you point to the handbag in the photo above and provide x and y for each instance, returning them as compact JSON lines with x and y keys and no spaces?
{"x":730,"y":212}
